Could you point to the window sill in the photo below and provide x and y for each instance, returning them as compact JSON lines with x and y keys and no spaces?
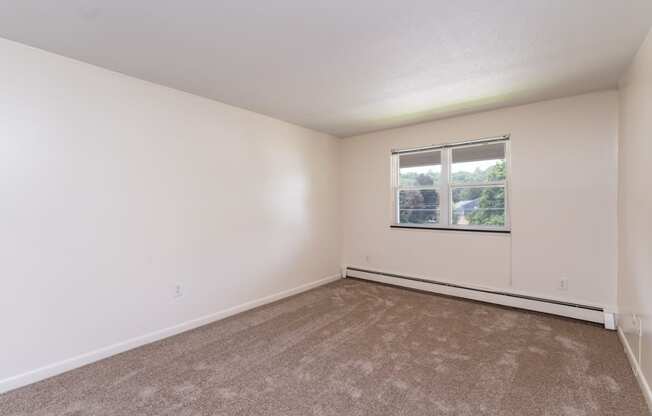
{"x":471,"y":230}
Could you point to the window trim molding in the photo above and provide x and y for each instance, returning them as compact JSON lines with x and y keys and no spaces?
{"x":445,"y":186}
{"x":454,"y":228}
{"x":460,"y":143}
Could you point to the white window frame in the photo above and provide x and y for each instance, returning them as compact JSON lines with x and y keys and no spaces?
{"x":446,"y":186}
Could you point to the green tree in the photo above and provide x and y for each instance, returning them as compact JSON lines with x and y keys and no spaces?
{"x":411,"y":178}
{"x":418,"y":207}
{"x":491,"y":206}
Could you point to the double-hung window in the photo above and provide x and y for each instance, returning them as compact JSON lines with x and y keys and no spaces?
{"x":458,"y":186}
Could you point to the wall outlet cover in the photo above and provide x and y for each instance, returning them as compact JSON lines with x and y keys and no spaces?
{"x":563,"y":284}
{"x":178,"y":290}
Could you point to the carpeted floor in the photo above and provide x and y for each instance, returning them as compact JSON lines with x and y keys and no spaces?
{"x":357,"y":348}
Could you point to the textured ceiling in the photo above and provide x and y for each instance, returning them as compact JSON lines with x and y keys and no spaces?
{"x":343,"y":66}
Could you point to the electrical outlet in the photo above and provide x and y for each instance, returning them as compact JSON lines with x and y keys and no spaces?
{"x":638,"y":325}
{"x":635,"y":325}
{"x":178,"y":290}
{"x":563,"y":284}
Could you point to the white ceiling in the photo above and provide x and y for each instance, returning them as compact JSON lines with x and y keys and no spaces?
{"x":347,"y":66}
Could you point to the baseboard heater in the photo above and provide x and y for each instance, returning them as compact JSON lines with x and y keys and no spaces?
{"x":553,"y":306}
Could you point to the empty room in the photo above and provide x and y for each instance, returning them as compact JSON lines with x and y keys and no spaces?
{"x":328,"y":208}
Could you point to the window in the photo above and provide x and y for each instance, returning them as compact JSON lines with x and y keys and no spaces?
{"x":418,"y":195}
{"x":458,"y":186}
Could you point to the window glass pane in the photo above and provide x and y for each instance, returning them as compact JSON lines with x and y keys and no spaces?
{"x":420,"y":168}
{"x":424,"y":216}
{"x":479,"y":206}
{"x":476,"y":164}
{"x":418,"y":207}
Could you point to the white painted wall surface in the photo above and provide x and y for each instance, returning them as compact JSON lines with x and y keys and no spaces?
{"x":635,"y":208}
{"x":563,"y":203}
{"x":113,"y":190}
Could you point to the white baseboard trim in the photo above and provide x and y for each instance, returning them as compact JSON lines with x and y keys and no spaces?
{"x":476,"y":293}
{"x":636,"y":368}
{"x":54,"y":369}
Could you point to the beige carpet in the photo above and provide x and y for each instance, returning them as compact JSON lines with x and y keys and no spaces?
{"x":357,"y":348}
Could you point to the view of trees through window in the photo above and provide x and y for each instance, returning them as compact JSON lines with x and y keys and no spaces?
{"x":477,"y":191}
{"x":419,"y":206}
{"x":483,"y":205}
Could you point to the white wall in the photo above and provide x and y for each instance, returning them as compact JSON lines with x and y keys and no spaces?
{"x":563,"y":203}
{"x":113,"y":190}
{"x":635,"y":207}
